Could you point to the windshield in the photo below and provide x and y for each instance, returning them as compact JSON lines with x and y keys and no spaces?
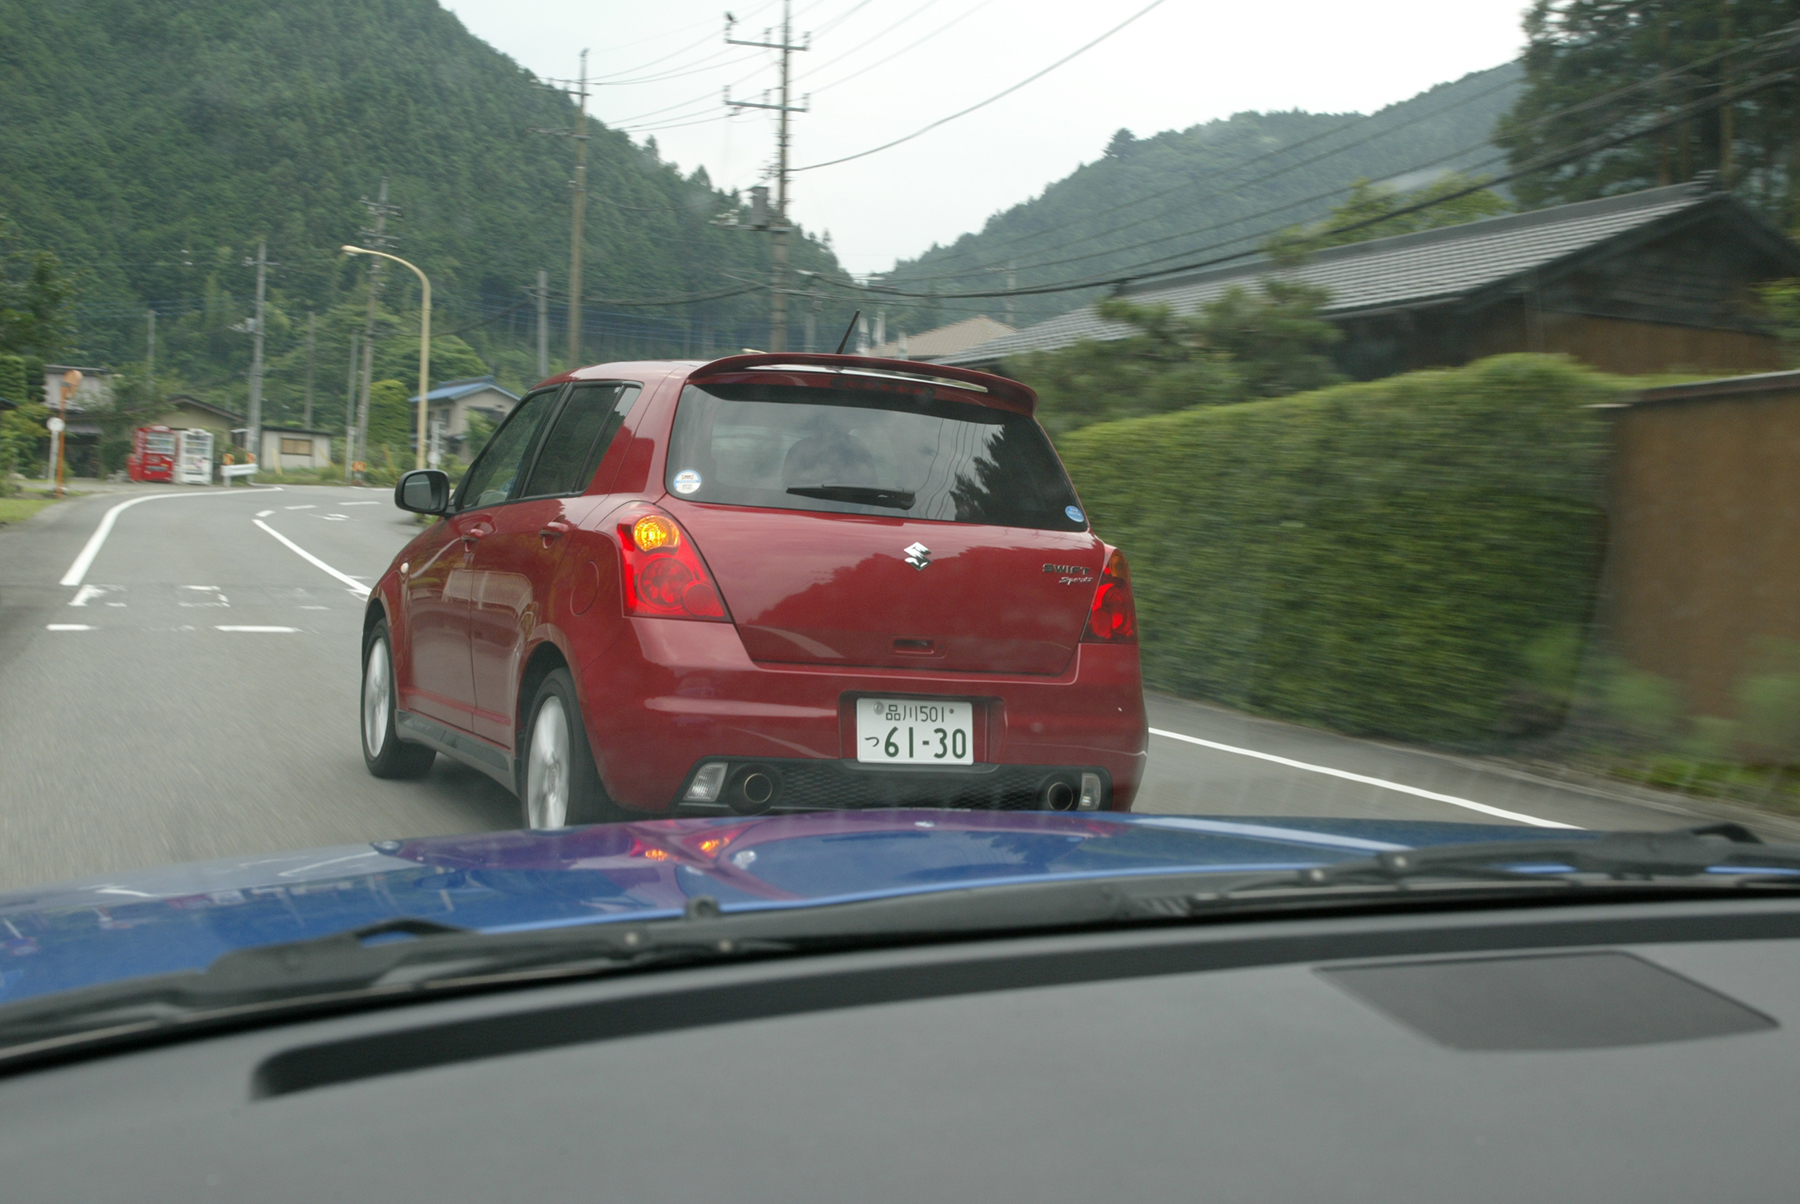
{"x":857,"y":451}
{"x":503,"y":502}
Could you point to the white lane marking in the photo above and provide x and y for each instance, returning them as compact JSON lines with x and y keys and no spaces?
{"x":308,"y":506}
{"x":210,"y":589}
{"x":334,"y":518}
{"x":1383,"y":783}
{"x":315,"y":608}
{"x":85,"y":594}
{"x":264,"y":513}
{"x":67,"y":627}
{"x":97,"y":540}
{"x":266,"y":630}
{"x":307,"y":556}
{"x":359,"y":503}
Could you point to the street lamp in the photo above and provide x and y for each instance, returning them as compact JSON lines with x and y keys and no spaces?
{"x":424,"y":339}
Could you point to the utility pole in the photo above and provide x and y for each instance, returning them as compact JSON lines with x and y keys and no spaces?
{"x":311,"y":343}
{"x":350,"y":410}
{"x":376,"y":238}
{"x":778,"y":286}
{"x":253,"y":437}
{"x":578,"y":211}
{"x":577,"y":216}
{"x":150,"y":354}
{"x":543,"y":323}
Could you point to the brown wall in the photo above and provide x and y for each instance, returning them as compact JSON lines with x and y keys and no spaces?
{"x":1705,"y":550}
{"x":1625,"y":346}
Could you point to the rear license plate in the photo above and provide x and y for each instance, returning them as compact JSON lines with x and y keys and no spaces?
{"x":907,"y":731}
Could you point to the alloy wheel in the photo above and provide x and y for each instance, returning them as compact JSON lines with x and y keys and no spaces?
{"x":547,"y":768}
{"x":375,"y":698}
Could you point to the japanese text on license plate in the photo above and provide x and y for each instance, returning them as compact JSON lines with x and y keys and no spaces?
{"x":911,"y":731}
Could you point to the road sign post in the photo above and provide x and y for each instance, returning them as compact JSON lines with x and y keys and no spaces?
{"x":71,"y":382}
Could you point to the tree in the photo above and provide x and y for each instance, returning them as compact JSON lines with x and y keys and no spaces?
{"x":1607,"y":68}
{"x":34,"y":299}
{"x":1372,"y":203}
{"x":390,"y":417}
{"x":1239,"y":347}
{"x":22,"y":435}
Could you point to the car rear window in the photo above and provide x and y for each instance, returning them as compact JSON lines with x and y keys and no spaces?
{"x":857,"y":451}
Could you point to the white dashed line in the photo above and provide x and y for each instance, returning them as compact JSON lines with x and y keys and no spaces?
{"x":67,"y":627}
{"x":264,"y":513}
{"x":361,"y":589}
{"x":1383,"y":783}
{"x":86,"y":594}
{"x":264,"y":630}
{"x":308,"y":506}
{"x":359,"y":503}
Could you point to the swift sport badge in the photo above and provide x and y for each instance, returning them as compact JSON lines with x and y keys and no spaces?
{"x":918,"y":555}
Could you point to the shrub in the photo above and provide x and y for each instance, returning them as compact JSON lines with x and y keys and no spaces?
{"x":1397,"y":558}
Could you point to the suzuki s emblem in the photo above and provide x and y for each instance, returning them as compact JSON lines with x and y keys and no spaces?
{"x":918,"y":555}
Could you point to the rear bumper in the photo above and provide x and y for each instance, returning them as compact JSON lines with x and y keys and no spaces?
{"x":842,"y":785}
{"x":672,"y":693}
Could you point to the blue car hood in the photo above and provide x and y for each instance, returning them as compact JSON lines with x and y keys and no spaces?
{"x":182,"y":917}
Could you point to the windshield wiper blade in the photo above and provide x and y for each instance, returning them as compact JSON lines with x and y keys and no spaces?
{"x":866,"y":495}
{"x":344,"y":967}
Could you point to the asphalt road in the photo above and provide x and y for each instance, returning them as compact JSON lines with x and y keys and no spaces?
{"x":195,"y":696}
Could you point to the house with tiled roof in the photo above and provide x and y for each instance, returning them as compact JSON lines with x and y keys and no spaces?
{"x":1656,"y":281}
{"x":931,"y":346}
{"x":452,"y":402}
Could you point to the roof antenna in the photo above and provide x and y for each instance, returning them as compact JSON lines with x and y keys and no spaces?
{"x":845,"y":341}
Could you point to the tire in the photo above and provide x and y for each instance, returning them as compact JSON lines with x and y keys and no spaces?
{"x":384,"y":752}
{"x":559,"y":784}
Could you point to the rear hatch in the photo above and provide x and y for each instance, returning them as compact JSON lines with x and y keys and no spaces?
{"x":883,"y":524}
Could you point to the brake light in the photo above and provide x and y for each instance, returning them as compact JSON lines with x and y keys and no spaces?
{"x":662,"y":573}
{"x":1112,"y":618}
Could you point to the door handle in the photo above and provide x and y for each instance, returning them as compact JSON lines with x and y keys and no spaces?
{"x":552,"y":529}
{"x":473,"y":535}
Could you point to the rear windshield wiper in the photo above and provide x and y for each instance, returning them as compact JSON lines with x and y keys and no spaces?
{"x":865,"y":495}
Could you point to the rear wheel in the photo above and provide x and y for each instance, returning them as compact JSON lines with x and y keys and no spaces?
{"x":560,"y":782}
{"x":386,"y":755}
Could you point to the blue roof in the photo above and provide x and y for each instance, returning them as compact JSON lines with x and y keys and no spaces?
{"x":452,"y":389}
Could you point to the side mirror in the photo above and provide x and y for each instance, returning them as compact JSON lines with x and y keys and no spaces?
{"x":423,"y":491}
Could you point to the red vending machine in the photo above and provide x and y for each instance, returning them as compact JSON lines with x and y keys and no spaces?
{"x":152,"y":455}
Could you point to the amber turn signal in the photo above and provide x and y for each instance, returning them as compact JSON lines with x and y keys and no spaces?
{"x":653,"y":532}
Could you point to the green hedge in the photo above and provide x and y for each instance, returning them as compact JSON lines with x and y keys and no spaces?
{"x":1378,"y":558}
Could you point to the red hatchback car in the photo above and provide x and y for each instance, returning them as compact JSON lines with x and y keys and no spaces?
{"x":770,"y":582}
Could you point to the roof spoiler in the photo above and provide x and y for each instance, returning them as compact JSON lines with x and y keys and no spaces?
{"x":984,"y":386}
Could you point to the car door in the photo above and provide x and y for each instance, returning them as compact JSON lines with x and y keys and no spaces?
{"x":516,"y":562}
{"x":440,"y":591}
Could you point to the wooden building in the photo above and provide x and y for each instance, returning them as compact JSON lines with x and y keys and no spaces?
{"x":1648,"y":282}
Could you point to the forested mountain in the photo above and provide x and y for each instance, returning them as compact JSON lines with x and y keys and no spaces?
{"x":1210,"y":189}
{"x":150,"y":143}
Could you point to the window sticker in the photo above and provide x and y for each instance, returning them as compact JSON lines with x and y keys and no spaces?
{"x":687,"y":481}
{"x":1074,"y":512}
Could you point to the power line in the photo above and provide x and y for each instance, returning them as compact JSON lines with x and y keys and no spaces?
{"x":1543,"y":162}
{"x":990,"y":100}
{"x":1590,"y":103}
{"x":862,"y":71}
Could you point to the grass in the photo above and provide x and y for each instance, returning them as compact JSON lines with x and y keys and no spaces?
{"x":1772,"y":787}
{"x":18,"y":509}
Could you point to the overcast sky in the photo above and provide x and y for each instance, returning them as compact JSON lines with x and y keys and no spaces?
{"x":1187,"y":61}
